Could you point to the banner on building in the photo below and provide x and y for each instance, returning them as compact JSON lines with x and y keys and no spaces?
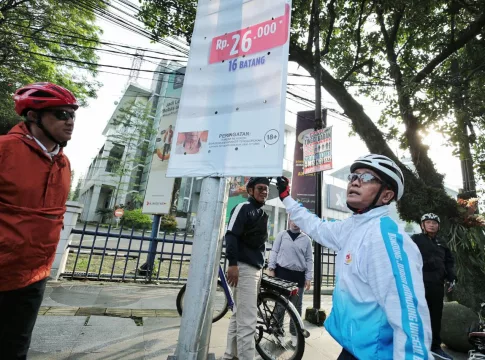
{"x":232,"y":110}
{"x":158,"y":195}
{"x":317,"y":151}
{"x":303,"y":186}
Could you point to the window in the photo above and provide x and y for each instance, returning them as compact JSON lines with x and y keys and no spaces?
{"x":114,"y":158}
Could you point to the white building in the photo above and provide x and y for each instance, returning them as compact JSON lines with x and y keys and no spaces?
{"x":104,"y":186}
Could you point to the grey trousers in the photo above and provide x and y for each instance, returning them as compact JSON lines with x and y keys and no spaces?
{"x":242,"y":327}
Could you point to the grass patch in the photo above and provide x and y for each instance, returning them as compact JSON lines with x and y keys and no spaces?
{"x":116,"y":265}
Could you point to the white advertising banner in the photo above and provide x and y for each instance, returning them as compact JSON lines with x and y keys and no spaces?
{"x":158,"y":195}
{"x":232,"y":111}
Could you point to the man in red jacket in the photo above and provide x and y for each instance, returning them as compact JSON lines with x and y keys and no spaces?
{"x":34,"y":186}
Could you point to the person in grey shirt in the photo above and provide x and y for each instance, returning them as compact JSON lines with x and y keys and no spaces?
{"x":291,"y":259}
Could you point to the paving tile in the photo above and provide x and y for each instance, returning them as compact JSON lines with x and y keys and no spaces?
{"x":85,"y":311}
{"x":43,"y":310}
{"x":167,"y":313}
{"x":61,"y":311}
{"x":124,"y":313}
{"x":104,"y":334}
{"x":143,"y":313}
{"x":55,"y":335}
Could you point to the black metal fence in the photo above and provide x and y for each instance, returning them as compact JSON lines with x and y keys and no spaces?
{"x":125,"y":254}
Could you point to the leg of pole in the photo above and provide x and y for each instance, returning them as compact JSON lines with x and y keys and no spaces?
{"x":195,"y":329}
{"x":317,"y":261}
{"x":153,"y":246}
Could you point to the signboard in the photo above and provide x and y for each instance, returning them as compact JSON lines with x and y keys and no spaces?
{"x":232,"y":110}
{"x":119,"y":213}
{"x":337,"y":198}
{"x":158,"y":195}
{"x":303,"y":186}
{"x":317,"y":151}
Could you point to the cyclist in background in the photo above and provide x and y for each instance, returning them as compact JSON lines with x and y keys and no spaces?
{"x":379,"y":307}
{"x":438,"y":265}
{"x":35,"y":178}
{"x":291,"y":259}
{"x":246,"y":236}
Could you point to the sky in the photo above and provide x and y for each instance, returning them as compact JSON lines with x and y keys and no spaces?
{"x":91,"y":120}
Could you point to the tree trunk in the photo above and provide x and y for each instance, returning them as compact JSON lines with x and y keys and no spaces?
{"x":418,"y":197}
{"x":458,"y":95}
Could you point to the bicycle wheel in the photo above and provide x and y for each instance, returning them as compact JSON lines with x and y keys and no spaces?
{"x":278,"y":334}
{"x":220,"y":302}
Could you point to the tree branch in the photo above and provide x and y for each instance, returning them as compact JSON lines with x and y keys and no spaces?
{"x":311,"y":29}
{"x":362,"y":123}
{"x":467,"y":35}
{"x":11,"y":5}
{"x":355,"y":68}
{"x":359,"y":40}
{"x":333,"y":15}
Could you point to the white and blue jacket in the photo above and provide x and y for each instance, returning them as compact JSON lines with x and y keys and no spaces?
{"x":379,"y":308}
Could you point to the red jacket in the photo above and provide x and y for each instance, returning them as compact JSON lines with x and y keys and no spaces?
{"x":33,"y":192}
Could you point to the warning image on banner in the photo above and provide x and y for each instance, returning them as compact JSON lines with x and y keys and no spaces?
{"x":317,"y":151}
{"x":191,"y":142}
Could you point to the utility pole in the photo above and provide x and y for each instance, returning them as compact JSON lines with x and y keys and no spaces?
{"x":196,"y":323}
{"x":314,"y":315}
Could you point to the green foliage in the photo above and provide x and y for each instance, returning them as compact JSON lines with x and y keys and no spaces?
{"x":37,"y":36}
{"x":398,"y":53}
{"x":77,"y":191}
{"x":168,"y":223}
{"x":133,"y":125}
{"x":135,"y":218}
{"x":105,"y":213}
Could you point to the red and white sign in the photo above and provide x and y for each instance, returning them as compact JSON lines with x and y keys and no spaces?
{"x":317,"y":151}
{"x":260,"y":37}
{"x":119,"y":213}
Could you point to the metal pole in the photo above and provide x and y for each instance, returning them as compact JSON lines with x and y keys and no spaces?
{"x":317,"y":279}
{"x":153,"y":246}
{"x":195,"y":329}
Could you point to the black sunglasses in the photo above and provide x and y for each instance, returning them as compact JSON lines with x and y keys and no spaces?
{"x":63,"y":115}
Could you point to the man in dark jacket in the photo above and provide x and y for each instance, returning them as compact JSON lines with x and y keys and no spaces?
{"x":438,"y":266}
{"x":247,"y":233}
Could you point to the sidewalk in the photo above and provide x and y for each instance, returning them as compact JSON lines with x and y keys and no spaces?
{"x":91,"y":320}
{"x":108,"y":321}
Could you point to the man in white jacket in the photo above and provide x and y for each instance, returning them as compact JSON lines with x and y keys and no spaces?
{"x":379,"y":307}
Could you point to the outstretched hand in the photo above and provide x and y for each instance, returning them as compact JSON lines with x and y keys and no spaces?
{"x":283,"y":186}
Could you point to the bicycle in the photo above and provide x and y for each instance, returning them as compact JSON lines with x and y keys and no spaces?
{"x":476,"y":336}
{"x":279,"y":323}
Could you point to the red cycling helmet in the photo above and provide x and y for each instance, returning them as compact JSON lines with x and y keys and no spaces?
{"x":42,"y":95}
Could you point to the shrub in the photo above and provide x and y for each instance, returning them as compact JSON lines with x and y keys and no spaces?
{"x":138,"y":220}
{"x":168,"y":223}
{"x":454,"y":326}
{"x":105,"y":213}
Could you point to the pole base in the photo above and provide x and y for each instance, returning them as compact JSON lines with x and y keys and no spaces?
{"x":210,"y":356}
{"x":315,"y":316}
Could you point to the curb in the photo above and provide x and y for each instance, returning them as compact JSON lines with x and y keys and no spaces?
{"x":113,"y":312}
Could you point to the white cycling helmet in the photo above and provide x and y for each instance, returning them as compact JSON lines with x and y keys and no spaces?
{"x":430,"y":216}
{"x":386,"y":168}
